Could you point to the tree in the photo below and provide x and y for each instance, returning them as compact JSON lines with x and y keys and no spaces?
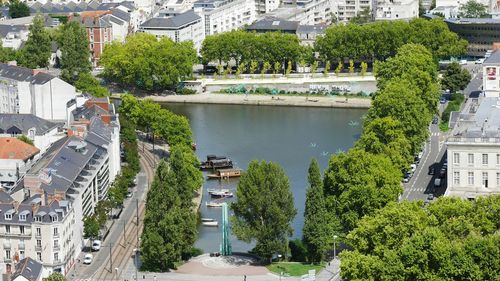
{"x":288,"y":69}
{"x":56,"y":276}
{"x":265,"y":68}
{"x":472,"y":9}
{"x":253,"y":66}
{"x":241,"y":68}
{"x":351,"y":67}
{"x":358,"y":183}
{"x":89,"y":84}
{"x":75,"y":52}
{"x":277,"y":68}
{"x":264,"y":209}
{"x":327,"y":69}
{"x":90,"y":227}
{"x":314,"y":68}
{"x":25,"y":139}
{"x":339,"y":68}
{"x":18,"y":9}
{"x":364,"y":68}
{"x":36,"y":52}
{"x":362,"y":17}
{"x":455,"y":78}
{"x":316,"y":231}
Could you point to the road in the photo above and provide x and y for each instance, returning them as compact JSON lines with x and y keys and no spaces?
{"x":122,"y":238}
{"x":421,"y":184}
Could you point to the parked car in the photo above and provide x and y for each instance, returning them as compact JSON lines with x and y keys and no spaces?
{"x":129,"y":194}
{"x":463,"y":62}
{"x":479,"y":61}
{"x":413,"y":167}
{"x":437,"y":182}
{"x":442,"y":100}
{"x":96,"y":245}
{"x":430,"y":197}
{"x":442,"y":173}
{"x":87,"y":259}
{"x":432,"y":170}
{"x":407,"y":177}
{"x":435,"y":120}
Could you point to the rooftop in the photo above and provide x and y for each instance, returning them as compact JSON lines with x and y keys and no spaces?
{"x":28,"y":268}
{"x":273,"y":24}
{"x":71,"y":7}
{"x":12,"y":148}
{"x":319,"y":28}
{"x":481,"y":126}
{"x":494,"y":59}
{"x":473,"y":21}
{"x":173,"y":22}
{"x":24,"y":74}
{"x":23,"y":123}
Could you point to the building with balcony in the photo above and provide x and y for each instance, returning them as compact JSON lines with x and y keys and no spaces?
{"x":474,"y":151}
{"x":305,"y":12}
{"x":29,"y":91}
{"x":42,"y":132}
{"x":41,"y":228}
{"x":224,"y":15}
{"x":348,"y":9}
{"x":16,"y":158}
{"x":187,"y":26}
{"x":396,"y":10}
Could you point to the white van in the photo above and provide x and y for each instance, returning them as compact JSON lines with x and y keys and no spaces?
{"x":437,"y":182}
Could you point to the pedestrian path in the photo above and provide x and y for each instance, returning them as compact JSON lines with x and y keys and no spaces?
{"x":331,"y":271}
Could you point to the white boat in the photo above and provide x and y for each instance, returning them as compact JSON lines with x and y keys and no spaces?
{"x":214,"y":204}
{"x":210,"y":223}
{"x":211,"y":190}
{"x":222,"y":194}
{"x":207,"y":219}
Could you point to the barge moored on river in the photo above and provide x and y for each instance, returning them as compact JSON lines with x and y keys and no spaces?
{"x":225,"y":174}
{"x":216,"y":162}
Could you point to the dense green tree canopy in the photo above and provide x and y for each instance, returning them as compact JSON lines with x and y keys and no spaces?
{"x":316,"y":233}
{"x":243,"y":46}
{"x":56,"y":276}
{"x":146,"y":63}
{"x":357,"y":183}
{"x":450,"y":239}
{"x":75,"y":54}
{"x":36,"y":52}
{"x":381,"y":40}
{"x":473,"y":9}
{"x":89,"y":84}
{"x":455,"y":78}
{"x":90,"y":227}
{"x":264,"y":209}
{"x":18,"y":9}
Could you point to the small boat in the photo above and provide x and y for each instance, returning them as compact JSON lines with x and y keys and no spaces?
{"x":216,"y":162}
{"x":210,"y":190}
{"x":210,"y":223}
{"x":222,"y":194}
{"x":207,"y":219}
{"x":214,"y":204}
{"x":225,"y":173}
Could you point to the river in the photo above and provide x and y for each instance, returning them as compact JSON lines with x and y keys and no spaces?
{"x":289,"y":136}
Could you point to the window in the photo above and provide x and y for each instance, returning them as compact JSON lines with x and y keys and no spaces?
{"x":7,"y":229}
{"x":56,"y":243}
{"x":7,"y":254}
{"x":56,"y":231}
{"x":470,"y":157}
{"x":485,"y":179}
{"x":53,"y":218}
{"x":38,"y":243}
{"x":22,"y":217}
{"x":38,"y":219}
{"x":456,"y":158}
{"x":498,"y":158}
{"x":456,"y":178}
{"x":498,"y":179}
{"x":39,"y":256}
{"x":21,"y":254}
{"x":471,"y":178}
{"x":21,"y":229}
{"x":8,"y":216}
{"x":56,"y":257}
{"x":485,"y":159}
{"x":38,"y":232}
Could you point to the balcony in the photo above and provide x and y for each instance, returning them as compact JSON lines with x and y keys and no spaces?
{"x":38,"y":248}
{"x":56,"y":235}
{"x":38,"y":235}
{"x":7,"y":260}
{"x":56,"y":248}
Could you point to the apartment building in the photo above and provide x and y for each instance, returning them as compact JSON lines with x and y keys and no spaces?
{"x":491,"y":75}
{"x":348,"y":9}
{"x":224,"y":15}
{"x":30,"y":91}
{"x":187,"y":26}
{"x":307,"y":34}
{"x":42,"y":132}
{"x":306,"y":12}
{"x":396,"y":10}
{"x":16,"y":157}
{"x":266,"y":6}
{"x":481,"y":33}
{"x":40,"y":227}
{"x":474,"y":151}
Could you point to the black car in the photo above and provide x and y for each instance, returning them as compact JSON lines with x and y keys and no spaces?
{"x":435,"y":120}
{"x":442,"y":172}
{"x":432,"y":170}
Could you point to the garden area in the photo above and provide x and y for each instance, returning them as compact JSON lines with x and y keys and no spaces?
{"x":293,"y":268}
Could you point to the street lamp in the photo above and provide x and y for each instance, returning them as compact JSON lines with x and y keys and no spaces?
{"x":136,"y":250}
{"x":116,"y":270}
{"x":334,"y":249}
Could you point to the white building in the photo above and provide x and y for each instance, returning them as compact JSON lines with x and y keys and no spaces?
{"x":491,"y":75}
{"x":28,"y":91}
{"x":41,"y":227}
{"x":187,"y":26}
{"x":474,"y":151}
{"x":396,"y":10}
{"x":13,"y":36}
{"x":446,"y":11}
{"x":266,"y":6}
{"x":348,"y":9}
{"x":224,"y":15}
{"x":16,"y":157}
{"x":42,"y":132}
{"x":305,"y":12}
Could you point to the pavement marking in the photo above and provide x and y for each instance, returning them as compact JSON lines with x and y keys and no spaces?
{"x":419,"y":169}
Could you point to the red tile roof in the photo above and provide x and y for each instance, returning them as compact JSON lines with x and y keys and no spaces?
{"x":12,"y":148}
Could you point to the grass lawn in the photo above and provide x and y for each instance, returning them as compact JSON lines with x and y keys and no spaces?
{"x":293,"y":268}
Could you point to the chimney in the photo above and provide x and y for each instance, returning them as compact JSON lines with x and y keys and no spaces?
{"x":36,"y":71}
{"x":12,"y":63}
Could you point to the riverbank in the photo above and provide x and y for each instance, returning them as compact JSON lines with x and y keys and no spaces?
{"x":277,"y":100}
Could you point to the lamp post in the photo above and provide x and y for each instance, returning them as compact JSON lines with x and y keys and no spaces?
{"x":334,"y":249}
{"x":116,"y":269}
{"x":136,"y":250}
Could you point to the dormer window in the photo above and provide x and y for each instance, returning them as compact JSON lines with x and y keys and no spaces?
{"x":38,"y":218}
{"x":22,"y":217}
{"x":8,"y":216}
{"x":53,"y":218}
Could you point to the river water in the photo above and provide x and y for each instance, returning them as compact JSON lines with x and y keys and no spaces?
{"x":289,"y":136}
